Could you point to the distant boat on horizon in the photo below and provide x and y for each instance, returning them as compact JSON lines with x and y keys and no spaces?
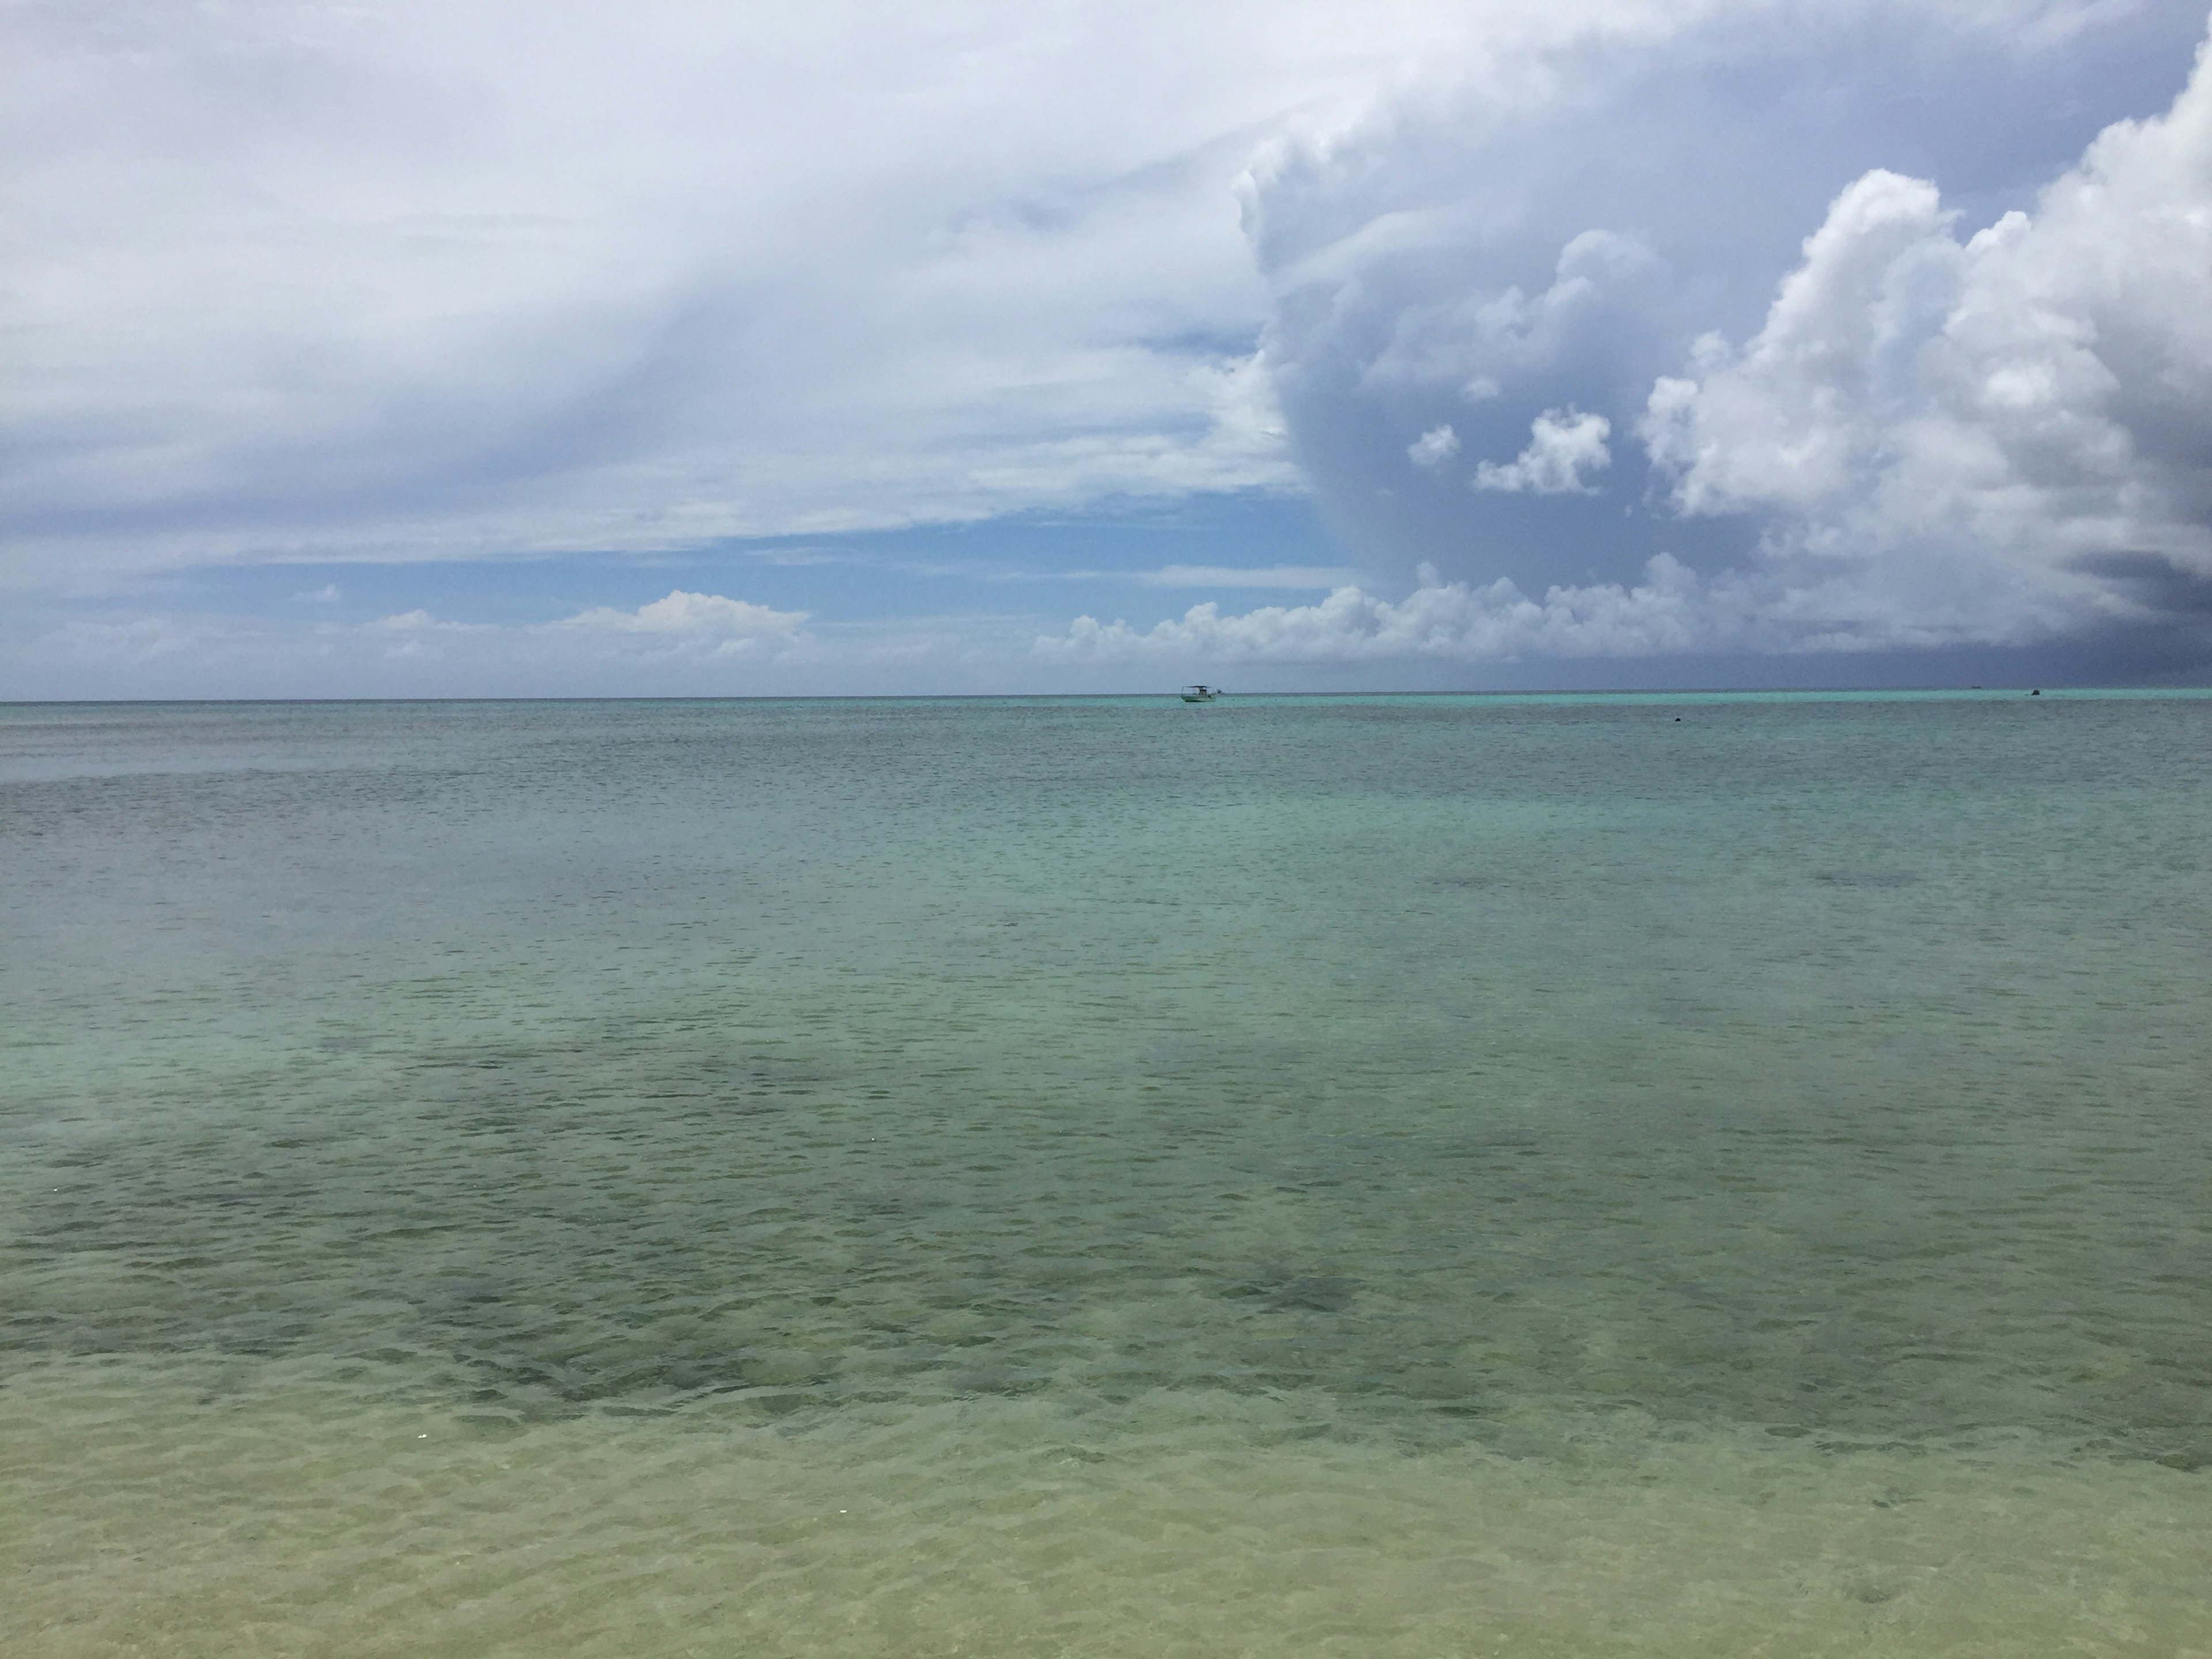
{"x":1200,"y":693}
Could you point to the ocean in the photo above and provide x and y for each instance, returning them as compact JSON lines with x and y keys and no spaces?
{"x":1721,"y":1175}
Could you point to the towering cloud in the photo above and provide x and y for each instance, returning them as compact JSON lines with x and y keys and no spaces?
{"x":1848,"y":314}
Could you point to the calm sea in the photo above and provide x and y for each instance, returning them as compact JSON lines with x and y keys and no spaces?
{"x":1393,"y":1176}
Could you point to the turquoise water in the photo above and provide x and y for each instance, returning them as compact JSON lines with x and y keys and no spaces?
{"x":1338,"y":1175}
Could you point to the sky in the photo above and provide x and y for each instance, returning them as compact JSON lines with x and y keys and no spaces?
{"x":454,"y":349}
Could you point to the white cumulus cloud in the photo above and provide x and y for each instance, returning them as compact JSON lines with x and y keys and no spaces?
{"x":1566,"y":447}
{"x":1962,"y":402}
{"x":1433,"y":447}
{"x":2015,"y":427}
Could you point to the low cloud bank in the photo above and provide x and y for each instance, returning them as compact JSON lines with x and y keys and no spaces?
{"x":1672,"y":610}
{"x":685,"y":644}
{"x":1669,"y":613}
{"x":682,"y":624}
{"x":705,"y":621}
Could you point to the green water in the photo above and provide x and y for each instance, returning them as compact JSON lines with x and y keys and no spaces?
{"x":1369,"y":1176}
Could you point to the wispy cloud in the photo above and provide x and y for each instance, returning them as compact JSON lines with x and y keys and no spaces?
{"x":1225,"y":575}
{"x":711,"y":272}
{"x":421,"y":622}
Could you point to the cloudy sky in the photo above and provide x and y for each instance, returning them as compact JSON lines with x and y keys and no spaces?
{"x":407,"y":348}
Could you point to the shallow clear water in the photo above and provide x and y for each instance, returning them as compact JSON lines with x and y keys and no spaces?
{"x":1375,"y":1177}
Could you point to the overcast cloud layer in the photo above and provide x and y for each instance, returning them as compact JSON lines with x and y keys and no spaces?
{"x":1597,"y":332}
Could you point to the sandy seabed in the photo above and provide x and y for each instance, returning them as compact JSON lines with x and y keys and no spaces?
{"x":169,"y":1515}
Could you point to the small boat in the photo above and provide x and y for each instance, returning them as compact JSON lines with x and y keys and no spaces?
{"x":1200,"y":693}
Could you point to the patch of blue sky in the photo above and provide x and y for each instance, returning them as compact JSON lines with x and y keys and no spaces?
{"x":1141,"y":560}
